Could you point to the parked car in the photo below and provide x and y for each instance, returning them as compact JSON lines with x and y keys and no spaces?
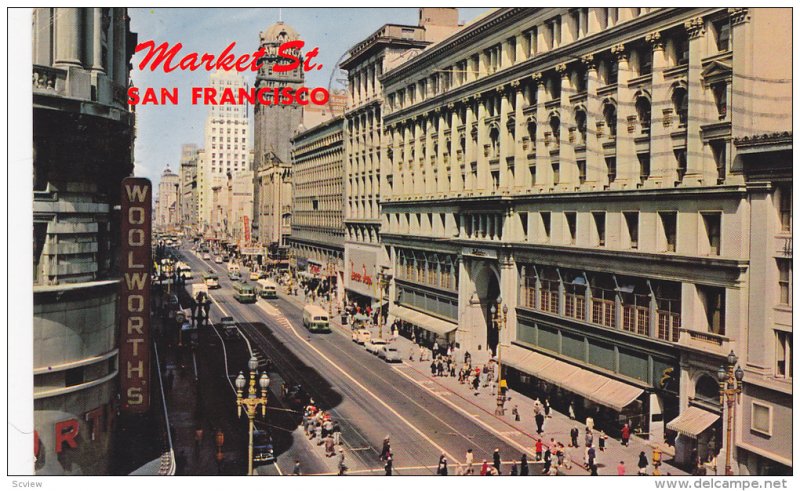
{"x":253,"y":275}
{"x":218,"y":259}
{"x":390,"y":354}
{"x":206,"y":256}
{"x":229,"y":327}
{"x":375,"y":345}
{"x":262,"y":447}
{"x":361,"y":336}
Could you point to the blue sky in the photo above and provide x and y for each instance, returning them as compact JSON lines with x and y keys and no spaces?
{"x":162,"y":129}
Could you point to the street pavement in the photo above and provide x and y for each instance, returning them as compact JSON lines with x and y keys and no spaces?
{"x":424,"y":416}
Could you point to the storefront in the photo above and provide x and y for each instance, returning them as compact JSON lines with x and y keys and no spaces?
{"x":698,"y":433}
{"x":425,"y":328}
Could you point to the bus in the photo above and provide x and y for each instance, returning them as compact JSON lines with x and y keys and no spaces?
{"x":243,"y":292}
{"x":267,"y":289}
{"x":211,"y":280}
{"x":315,"y":319}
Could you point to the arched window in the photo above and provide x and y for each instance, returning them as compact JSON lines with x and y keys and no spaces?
{"x":555,"y":128}
{"x":580,"y":123}
{"x":643,"y":113}
{"x":707,"y":389}
{"x":494,"y":142}
{"x":610,"y":118}
{"x":680,"y":104}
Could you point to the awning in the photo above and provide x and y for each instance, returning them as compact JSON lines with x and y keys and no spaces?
{"x":424,"y":321}
{"x":692,"y":421}
{"x":586,"y":383}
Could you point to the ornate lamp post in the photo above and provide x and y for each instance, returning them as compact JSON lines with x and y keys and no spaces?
{"x":383,"y":282}
{"x":499,"y":317}
{"x":331,"y":267}
{"x":730,"y":392}
{"x":251,"y":403}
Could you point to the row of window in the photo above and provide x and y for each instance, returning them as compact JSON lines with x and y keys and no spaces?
{"x":426,"y":268}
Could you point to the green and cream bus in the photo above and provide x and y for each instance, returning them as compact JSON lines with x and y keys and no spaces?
{"x":243,"y":292}
{"x":267,"y":289}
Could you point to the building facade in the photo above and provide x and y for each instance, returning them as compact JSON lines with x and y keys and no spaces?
{"x":317,"y":234}
{"x":274,"y":127}
{"x":575,"y":168}
{"x":167,"y":208}
{"x":365,"y":258}
{"x":225,"y":142}
{"x":83,"y":140}
{"x":188,"y":187}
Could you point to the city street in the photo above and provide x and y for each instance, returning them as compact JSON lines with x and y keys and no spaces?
{"x":370,"y":398}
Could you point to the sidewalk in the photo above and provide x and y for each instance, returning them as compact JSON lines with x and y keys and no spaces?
{"x":521,"y":434}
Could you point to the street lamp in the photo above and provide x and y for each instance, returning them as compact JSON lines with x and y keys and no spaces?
{"x":251,"y":402}
{"x":383,"y":282}
{"x":499,"y":317}
{"x":730,"y":391}
{"x":331,"y":273}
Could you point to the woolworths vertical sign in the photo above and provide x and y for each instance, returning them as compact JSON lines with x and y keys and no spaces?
{"x":134,"y":305}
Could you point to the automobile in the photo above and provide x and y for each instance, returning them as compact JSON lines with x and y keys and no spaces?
{"x":262,"y":447}
{"x":296,"y":397}
{"x":234,"y":276}
{"x":361,"y":336}
{"x":206,"y":256}
{"x":218,"y":259}
{"x":229,"y":327}
{"x":254,"y":275}
{"x":226,"y":258}
{"x":173,"y":307}
{"x":390,"y":354}
{"x":375,"y":345}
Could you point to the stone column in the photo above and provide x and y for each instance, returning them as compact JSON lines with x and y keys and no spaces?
{"x":484,"y":177}
{"x":742,"y":65}
{"x":97,"y":40}
{"x":69,"y":37}
{"x":595,"y":160}
{"x":429,"y":162}
{"x":470,"y":152}
{"x":568,"y":178}
{"x":444,"y":170}
{"x":663,"y":164}
{"x":627,"y":162}
{"x":506,"y":147}
{"x":520,"y":162}
{"x":455,"y":164}
{"x":544,"y":173}
{"x":509,"y":290}
{"x":696,"y":171}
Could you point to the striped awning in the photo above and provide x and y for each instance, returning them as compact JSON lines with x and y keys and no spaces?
{"x":422,"y":320}
{"x":692,"y":421}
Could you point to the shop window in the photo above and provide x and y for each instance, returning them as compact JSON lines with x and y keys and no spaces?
{"x":783,"y":354}
{"x":784,"y":281}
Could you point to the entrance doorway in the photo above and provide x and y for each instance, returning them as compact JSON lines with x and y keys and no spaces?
{"x":489,"y":301}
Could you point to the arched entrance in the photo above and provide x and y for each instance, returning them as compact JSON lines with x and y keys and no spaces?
{"x":487,"y":290}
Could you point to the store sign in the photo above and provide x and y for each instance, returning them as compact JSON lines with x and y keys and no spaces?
{"x":246,"y":220}
{"x":362,"y":276}
{"x":136,"y":261}
{"x":361,"y":268}
{"x":477,"y":252}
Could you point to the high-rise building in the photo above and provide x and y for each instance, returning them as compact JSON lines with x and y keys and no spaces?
{"x":225,"y":141}
{"x":166,"y":215}
{"x":588,"y":195}
{"x":384,"y":49}
{"x":188,"y":187}
{"x":274,"y":126}
{"x":317,"y":237}
{"x":83,"y":132}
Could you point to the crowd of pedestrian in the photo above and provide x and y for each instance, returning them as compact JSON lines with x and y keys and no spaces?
{"x":322,"y":429}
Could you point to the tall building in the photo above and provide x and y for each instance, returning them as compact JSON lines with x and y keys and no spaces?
{"x":188,"y":187}
{"x":83,"y":132}
{"x":274,"y":126}
{"x":560,"y":190}
{"x":167,"y":212}
{"x":368,"y":60}
{"x":226,"y":139}
{"x":317,"y":233}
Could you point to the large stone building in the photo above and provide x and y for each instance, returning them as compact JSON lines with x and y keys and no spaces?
{"x":575,"y":169}
{"x":317,"y":234}
{"x":188,"y":187}
{"x":82,"y":140}
{"x":166,"y":214}
{"x":225,"y":146}
{"x":274,"y":126}
{"x":365,"y":259}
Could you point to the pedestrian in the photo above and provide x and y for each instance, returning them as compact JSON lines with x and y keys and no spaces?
{"x":469,"y":458}
{"x":553,"y":471}
{"x":296,"y":469}
{"x":601,"y":439}
{"x":523,"y":465}
{"x":496,"y":459}
{"x":573,"y":434}
{"x":441,"y":470}
{"x":589,"y":438}
{"x":435,"y":348}
{"x":337,"y":433}
{"x":560,"y":454}
{"x":341,"y":465}
{"x":485,"y":468}
{"x":592,"y":454}
{"x":548,"y":460}
{"x":433,"y":368}
{"x":642,"y":464}
{"x":476,"y":384}
{"x":514,"y":470}
{"x":318,"y":433}
{"x":515,"y":412}
{"x":388,"y":465}
{"x":571,"y":411}
{"x":593,"y":470}
{"x":440,"y":368}
{"x":386,"y":448}
{"x":330,"y":447}
{"x":539,"y":423}
{"x":626,"y":434}
{"x":539,"y":448}
{"x":546,"y":407}
{"x":621,"y":468}
{"x":657,"y":456}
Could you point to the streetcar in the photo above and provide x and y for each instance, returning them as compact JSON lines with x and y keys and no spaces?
{"x":243,"y":292}
{"x":267,"y":289}
{"x":211,"y":280}
{"x":315,"y":319}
